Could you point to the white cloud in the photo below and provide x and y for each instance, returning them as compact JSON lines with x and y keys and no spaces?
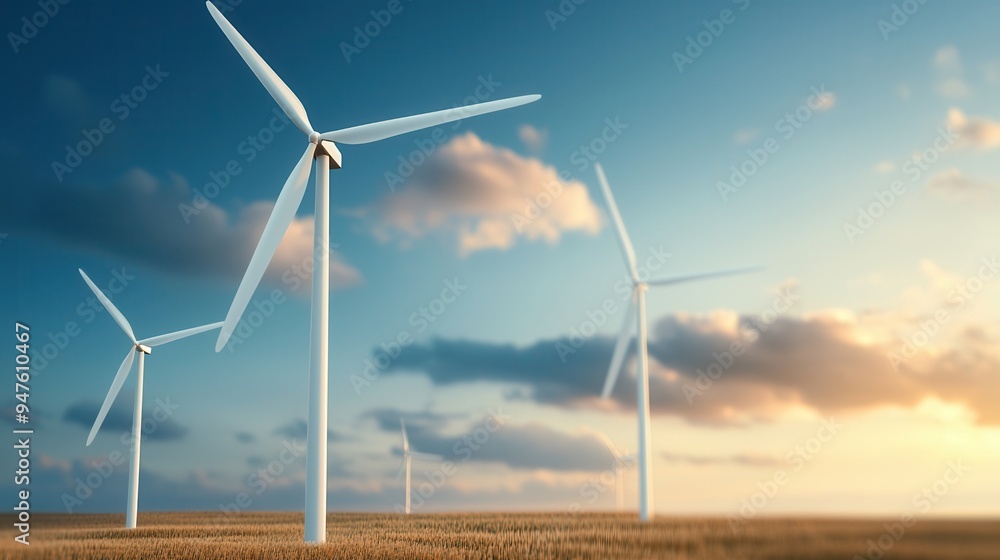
{"x":533,"y":138}
{"x":487,"y":196}
{"x":950,"y":73}
{"x":825,"y":101}
{"x":885,"y":167}
{"x":955,"y":184}
{"x":975,"y":132}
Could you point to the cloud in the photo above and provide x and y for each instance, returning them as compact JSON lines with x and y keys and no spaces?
{"x":950,"y":73}
{"x":974,"y":132}
{"x":825,"y":101}
{"x":388,"y":418}
{"x":245,"y":437}
{"x":297,"y":429}
{"x":885,"y":167}
{"x":743,"y":460}
{"x":745,"y":135}
{"x":66,"y":98}
{"x":529,"y":446}
{"x":138,"y":219}
{"x":829,"y":362}
{"x":955,"y":184}
{"x":119,"y":420}
{"x":484,"y":195}
{"x":533,"y":138}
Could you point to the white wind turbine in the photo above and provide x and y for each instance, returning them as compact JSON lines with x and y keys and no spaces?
{"x":408,"y":457}
{"x":140,"y":347}
{"x":321,"y":147}
{"x":639,"y":287}
{"x":621,"y":461}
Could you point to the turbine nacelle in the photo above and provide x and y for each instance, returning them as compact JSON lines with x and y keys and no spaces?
{"x":143,"y":348}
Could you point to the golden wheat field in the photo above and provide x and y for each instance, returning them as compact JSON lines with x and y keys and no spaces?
{"x":492,"y":535}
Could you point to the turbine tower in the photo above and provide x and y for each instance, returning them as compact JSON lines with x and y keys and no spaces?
{"x":322,"y":149}
{"x":638,"y":304}
{"x":140,"y":347}
{"x":408,"y":457}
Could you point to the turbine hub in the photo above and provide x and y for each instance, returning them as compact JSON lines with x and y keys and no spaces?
{"x":143,"y":348}
{"x":314,"y":137}
{"x":642,"y":287}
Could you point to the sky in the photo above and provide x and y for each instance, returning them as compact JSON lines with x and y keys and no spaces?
{"x":851,"y":149}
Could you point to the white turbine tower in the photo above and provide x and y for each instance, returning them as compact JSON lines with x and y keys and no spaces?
{"x":140,"y":347}
{"x":621,"y":460}
{"x":639,"y":287}
{"x":321,"y":147}
{"x":408,"y":457}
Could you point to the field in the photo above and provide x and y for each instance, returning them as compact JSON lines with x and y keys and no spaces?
{"x":492,"y":535}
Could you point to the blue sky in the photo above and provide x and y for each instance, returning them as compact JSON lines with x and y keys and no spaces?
{"x":885,"y":97}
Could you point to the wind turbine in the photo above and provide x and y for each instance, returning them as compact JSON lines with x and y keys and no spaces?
{"x":639,"y":288}
{"x":407,"y":459}
{"x":620,"y":461}
{"x":140,"y":347}
{"x":321,"y":147}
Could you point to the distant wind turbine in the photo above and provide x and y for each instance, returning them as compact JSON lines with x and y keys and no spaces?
{"x":408,"y":457}
{"x":621,"y":459}
{"x":321,"y":147}
{"x":639,"y":288}
{"x":140,"y":347}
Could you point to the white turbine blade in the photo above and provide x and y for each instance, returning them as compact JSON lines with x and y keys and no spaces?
{"x":701,"y":276}
{"x":170,"y":337}
{"x":426,"y":456}
{"x":618,"y":356}
{"x":406,"y":442}
{"x":112,"y":310}
{"x":281,"y":217}
{"x":402,"y":468}
{"x":610,"y":445}
{"x":116,"y":386}
{"x":394,"y":127}
{"x":281,"y":93}
{"x":620,"y":232}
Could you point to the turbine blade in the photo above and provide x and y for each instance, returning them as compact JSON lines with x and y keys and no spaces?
{"x":394,"y":127}
{"x":281,"y":93}
{"x":170,"y":337}
{"x":116,"y":386}
{"x":112,"y":310}
{"x":406,"y":442}
{"x":618,"y":356}
{"x":624,"y":243}
{"x":426,"y":456}
{"x":610,"y":445}
{"x":402,"y":467}
{"x":702,"y":275}
{"x":281,"y":217}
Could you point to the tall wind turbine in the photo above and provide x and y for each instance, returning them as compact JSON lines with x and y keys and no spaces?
{"x":321,"y":147}
{"x":140,"y":347}
{"x":639,"y":288}
{"x":408,"y":457}
{"x":621,"y":459}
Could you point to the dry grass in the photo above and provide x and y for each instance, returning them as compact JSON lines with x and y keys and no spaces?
{"x":488,"y":535}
